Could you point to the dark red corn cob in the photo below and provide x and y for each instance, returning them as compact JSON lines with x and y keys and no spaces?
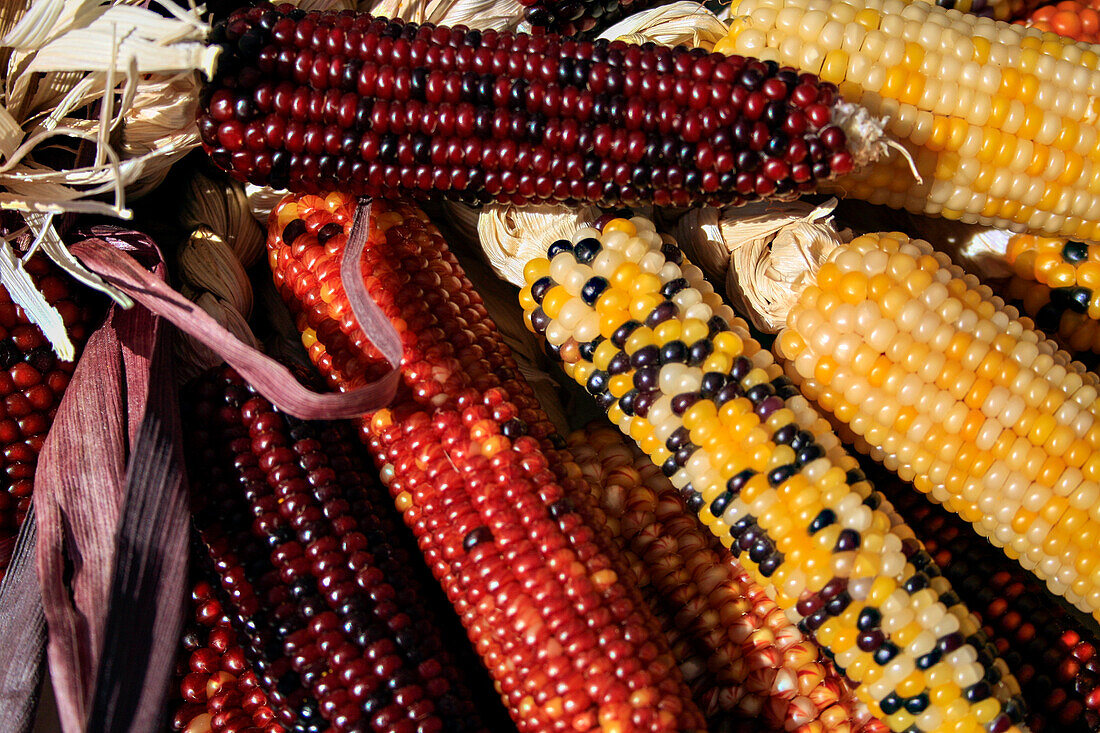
{"x":218,"y":690}
{"x":504,"y":527}
{"x":318,"y":101}
{"x":1051,"y":650}
{"x":579,"y":17}
{"x":329,"y":611}
{"x":32,"y":383}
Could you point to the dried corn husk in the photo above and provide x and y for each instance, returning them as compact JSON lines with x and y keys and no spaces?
{"x":114,"y":84}
{"x":222,"y":207}
{"x":676,"y":24}
{"x":262,"y":200}
{"x":764,"y":252}
{"x":206,"y":263}
{"x":510,"y":236}
{"x":483,"y":14}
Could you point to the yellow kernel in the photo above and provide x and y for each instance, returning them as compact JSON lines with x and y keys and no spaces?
{"x":620,"y":225}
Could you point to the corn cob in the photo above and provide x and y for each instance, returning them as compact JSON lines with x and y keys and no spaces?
{"x":1069,"y":18}
{"x":645,"y":334}
{"x":1056,"y":282}
{"x":737,"y":649}
{"x":218,"y":689}
{"x":998,"y":9}
{"x":942,"y":383}
{"x":315,"y":101}
{"x":576,"y":17}
{"x":998,"y":118}
{"x":465,"y":467}
{"x":1050,"y":653}
{"x":332,"y":617}
{"x":32,"y":382}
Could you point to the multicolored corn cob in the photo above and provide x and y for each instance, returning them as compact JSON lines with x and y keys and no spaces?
{"x":329,"y":610}
{"x":318,"y":101}
{"x":743,"y":658}
{"x":579,"y":17}
{"x":1070,"y":18}
{"x":1057,"y":282}
{"x":647,"y":336}
{"x":548,"y":603}
{"x":999,"y":118}
{"x":32,"y":383}
{"x":943,"y":383}
{"x":1051,"y":653}
{"x":218,"y":689}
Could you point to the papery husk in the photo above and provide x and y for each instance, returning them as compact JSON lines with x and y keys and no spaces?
{"x":510,"y":236}
{"x":206,"y":263}
{"x":497,"y":15}
{"x":193,"y":357}
{"x":113,"y":83}
{"x":262,"y":201}
{"x":223,"y":208}
{"x":766,"y":253}
{"x":680,"y":23}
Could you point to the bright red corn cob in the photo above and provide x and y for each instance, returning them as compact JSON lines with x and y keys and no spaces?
{"x":548,"y":604}
{"x":743,"y":657}
{"x":318,"y":101}
{"x":218,"y":689}
{"x":333,"y":621}
{"x":1051,"y":652}
{"x":32,"y":382}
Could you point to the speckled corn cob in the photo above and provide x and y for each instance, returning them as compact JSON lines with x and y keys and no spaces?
{"x":1057,"y":282}
{"x":1050,"y":651}
{"x":739,"y":652}
{"x":678,"y":372}
{"x":567,"y":638}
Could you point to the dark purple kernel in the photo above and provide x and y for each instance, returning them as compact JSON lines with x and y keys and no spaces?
{"x":711,"y":384}
{"x":885,"y":653}
{"x":680,"y":437}
{"x":741,"y":367}
{"x":646,"y":356}
{"x":540,"y":288}
{"x":681,"y":402}
{"x":555,"y":249}
{"x":730,"y":391}
{"x":770,"y":405}
{"x":868,"y":641}
{"x":848,"y":541}
{"x":661,"y":313}
{"x":476,"y":537}
{"x":539,"y":320}
{"x":293,"y":230}
{"x":619,"y":364}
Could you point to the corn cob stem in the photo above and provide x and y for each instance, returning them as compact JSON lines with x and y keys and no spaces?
{"x":499,"y":530}
{"x":998,"y":117}
{"x":740,"y":653}
{"x":654,"y":343}
{"x":315,"y":101}
{"x":335,"y":627}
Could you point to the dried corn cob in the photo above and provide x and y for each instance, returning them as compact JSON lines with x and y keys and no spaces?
{"x":315,"y":101}
{"x":944,"y":384}
{"x":465,"y":467}
{"x":1051,"y":653}
{"x":32,"y":382}
{"x":678,"y":372}
{"x":999,"y":118}
{"x":575,"y":17}
{"x":1058,"y":284}
{"x":218,"y":689}
{"x":741,"y":655}
{"x":333,"y":621}
{"x":1069,"y":18}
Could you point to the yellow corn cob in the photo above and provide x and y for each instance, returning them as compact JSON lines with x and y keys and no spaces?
{"x":944,"y":384}
{"x":737,"y":650}
{"x":680,"y":374}
{"x":1000,"y":119}
{"x":1058,"y":283}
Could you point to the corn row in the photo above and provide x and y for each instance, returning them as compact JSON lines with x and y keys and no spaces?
{"x":218,"y":689}
{"x":466,"y":469}
{"x":1057,"y":282}
{"x":739,"y":652}
{"x":641,"y":332}
{"x":32,"y":383}
{"x":334,"y":623}
{"x":942,"y":383}
{"x":1069,"y":18}
{"x":1051,"y":654}
{"x":998,"y":9}
{"x":998,"y":118}
{"x":576,"y":17}
{"x":317,"y":101}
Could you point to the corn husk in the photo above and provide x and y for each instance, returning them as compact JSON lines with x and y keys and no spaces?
{"x":482,"y":14}
{"x":764,"y":252}
{"x":114,"y":85}
{"x":223,"y":208}
{"x":676,"y":24}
